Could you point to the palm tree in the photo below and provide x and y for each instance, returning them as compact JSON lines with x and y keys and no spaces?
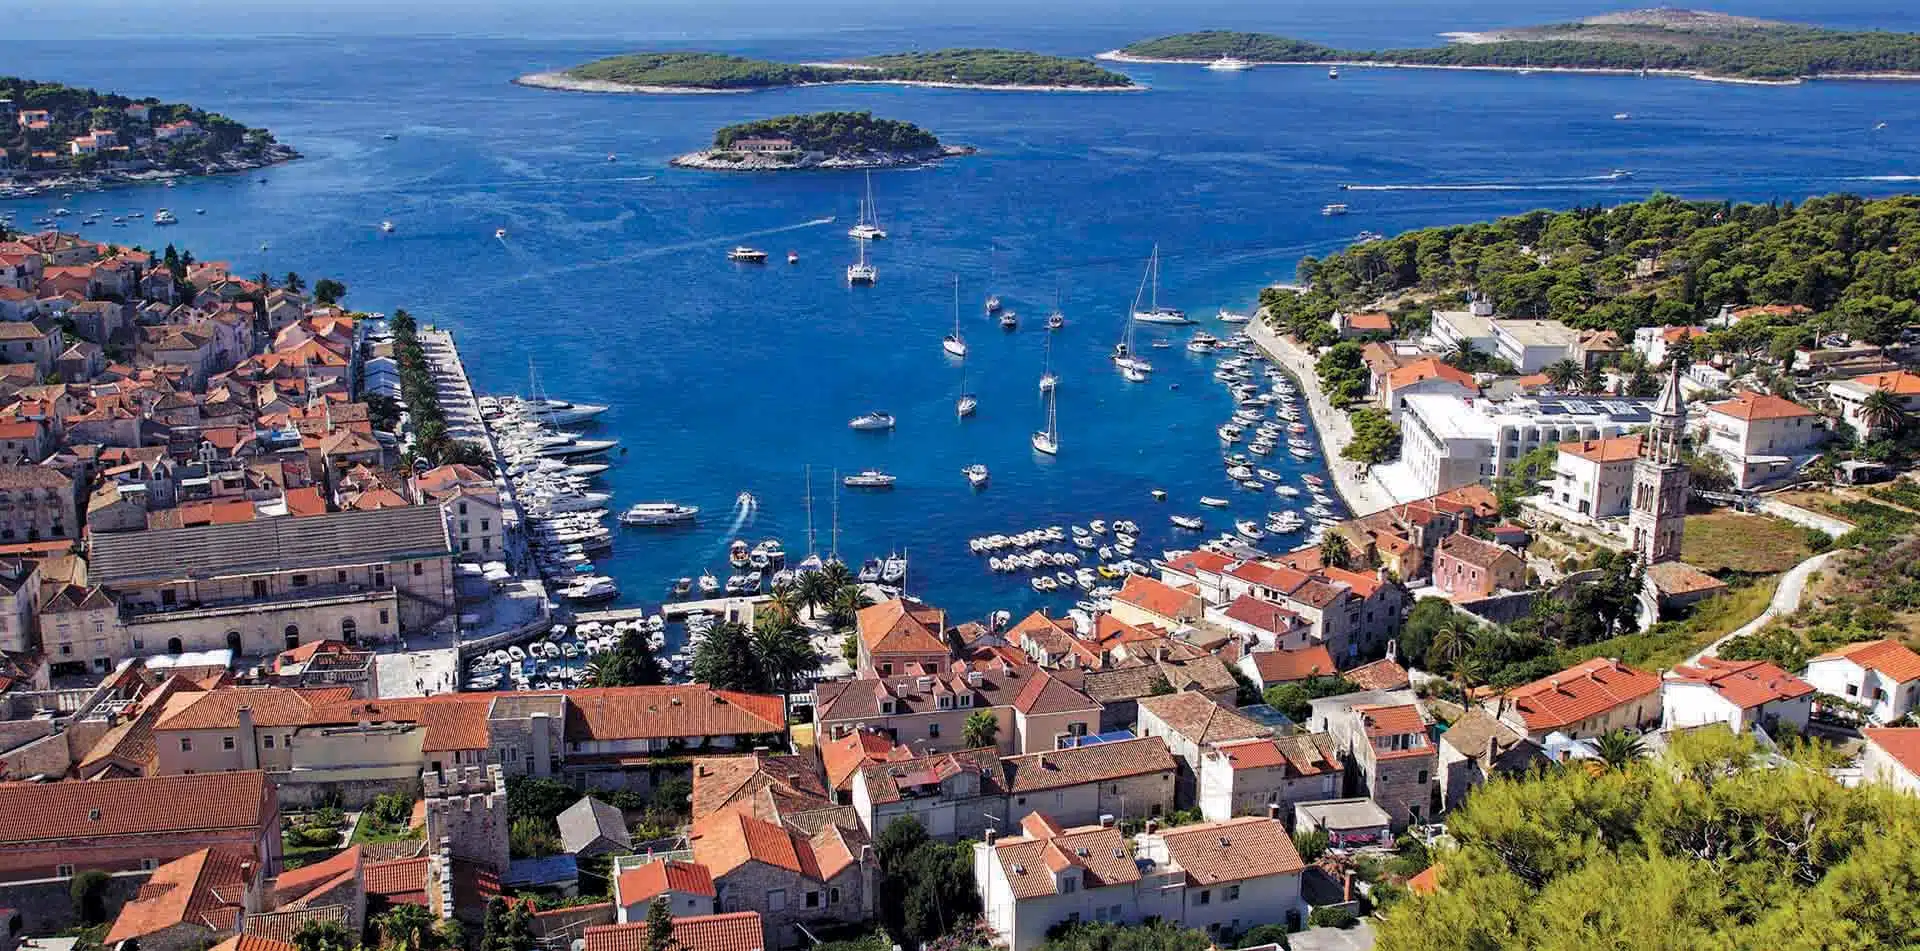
{"x":785,"y":656}
{"x":407,"y":925}
{"x":844,"y":608}
{"x":1452,"y":641}
{"x":816,"y":589}
{"x":1620,"y":749}
{"x":1882,"y":410}
{"x":293,"y":282}
{"x":1463,"y":355}
{"x":1335,"y":552}
{"x":1562,"y":373}
{"x":1469,"y":671}
{"x":838,"y":575}
{"x":982,"y":730}
{"x":789,"y":598}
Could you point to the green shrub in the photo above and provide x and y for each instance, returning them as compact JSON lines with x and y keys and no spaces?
{"x":89,"y":893}
{"x":1332,"y":916}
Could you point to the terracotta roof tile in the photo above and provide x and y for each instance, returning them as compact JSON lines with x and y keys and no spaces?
{"x":1888,"y":657}
{"x":1615,"y":449}
{"x":159,"y":805}
{"x":1266,"y":616}
{"x":398,"y":880}
{"x":1902,"y":744}
{"x":1098,"y":763}
{"x":1746,"y":683}
{"x":1898,"y":382}
{"x":1579,"y":692}
{"x":1045,"y":694}
{"x":1197,"y":718}
{"x":1428,"y":369}
{"x":735,"y":931}
{"x":1283,"y":666}
{"x":656,"y":878}
{"x":1158,"y":597}
{"x":1032,"y":863}
{"x":1752,"y":406}
{"x":843,"y":757}
{"x":1232,"y":851}
{"x":902,"y":626}
{"x":203,"y":889}
{"x":1382,"y":674}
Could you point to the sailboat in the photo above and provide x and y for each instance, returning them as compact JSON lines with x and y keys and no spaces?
{"x":1154,"y":313}
{"x":953,"y":344}
{"x":1048,"y":440}
{"x":812,"y":561}
{"x":1047,"y":380}
{"x":966,"y":404}
{"x":833,"y":548}
{"x":1058,"y":318}
{"x":1124,"y":356}
{"x":868,"y":229}
{"x":862,"y":272}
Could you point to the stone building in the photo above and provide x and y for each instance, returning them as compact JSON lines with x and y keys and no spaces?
{"x":37,"y":503}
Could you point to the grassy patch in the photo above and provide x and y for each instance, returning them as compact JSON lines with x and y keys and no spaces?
{"x":1749,"y":544}
{"x":369,"y":831}
{"x":1670,"y":642}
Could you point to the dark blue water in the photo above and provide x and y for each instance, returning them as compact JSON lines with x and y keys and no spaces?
{"x":612,"y":281}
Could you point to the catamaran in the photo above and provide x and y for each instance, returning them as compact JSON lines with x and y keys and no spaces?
{"x":868,"y":228}
{"x":953,"y":344}
{"x":861,"y":272}
{"x":1154,"y":312}
{"x":1048,"y":440}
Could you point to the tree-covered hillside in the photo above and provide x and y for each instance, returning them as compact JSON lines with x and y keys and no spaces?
{"x":701,"y":71}
{"x":995,"y":68}
{"x":835,"y":133}
{"x":74,"y":112}
{"x":1855,"y":263}
{"x":981,"y":67}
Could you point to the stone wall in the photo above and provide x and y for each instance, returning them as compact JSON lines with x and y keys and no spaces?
{"x":754,"y":885}
{"x":346,"y":794}
{"x":559,"y":927}
{"x":46,"y":905}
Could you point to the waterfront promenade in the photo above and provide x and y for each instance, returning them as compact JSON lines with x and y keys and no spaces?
{"x":1363,"y":494}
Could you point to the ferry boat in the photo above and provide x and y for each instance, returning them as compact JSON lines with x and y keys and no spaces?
{"x":871,"y":422}
{"x":870,"y":479}
{"x":746,"y":255}
{"x":1229,"y":64}
{"x":658,"y":513}
{"x":1154,"y":312}
{"x":1334,"y":210}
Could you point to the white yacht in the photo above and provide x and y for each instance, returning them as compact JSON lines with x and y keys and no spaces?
{"x":1188,"y":522}
{"x":953,"y":343}
{"x":1047,"y":378}
{"x":500,"y":233}
{"x":871,"y":422}
{"x":746,"y":255}
{"x":964,"y":406}
{"x":860,"y":272}
{"x":1229,"y":64}
{"x":868,"y":228}
{"x":1047,"y":441}
{"x":386,"y":227}
{"x":1213,"y":501}
{"x":591,"y":589}
{"x":658,"y":513}
{"x":164,"y":217}
{"x":1154,"y":313}
{"x":1334,"y":210}
{"x":870,"y":479}
{"x":1227,"y":316}
{"x":1333,"y":72}
{"x":976,"y":475}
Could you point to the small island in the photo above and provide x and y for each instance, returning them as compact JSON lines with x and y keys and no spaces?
{"x":718,"y":72}
{"x":1693,"y":43}
{"x":54,"y":136}
{"x":820,"y":140}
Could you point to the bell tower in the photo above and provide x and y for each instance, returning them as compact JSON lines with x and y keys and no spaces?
{"x":1657,"y":519}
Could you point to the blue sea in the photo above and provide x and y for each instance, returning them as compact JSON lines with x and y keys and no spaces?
{"x":612,"y":283}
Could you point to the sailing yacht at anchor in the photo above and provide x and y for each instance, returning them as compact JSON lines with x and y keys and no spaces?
{"x":1047,"y":380}
{"x":862,"y":272}
{"x":1155,"y":313}
{"x":953,"y":344}
{"x":868,"y":228}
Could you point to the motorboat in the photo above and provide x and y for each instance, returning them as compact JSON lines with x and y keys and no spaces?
{"x":1213,"y":501}
{"x":793,"y":257}
{"x":1227,"y":316}
{"x":965,"y":405}
{"x":738,"y":555}
{"x":976,"y":475}
{"x":893,"y":571}
{"x":1334,"y":210}
{"x":1229,"y":64}
{"x":1249,"y":529}
{"x":682,"y":587}
{"x":164,"y":217}
{"x":590,"y":590}
{"x":993,"y":303}
{"x":746,"y":255}
{"x":1333,"y":72}
{"x":1202,"y":343}
{"x":871,"y":422}
{"x":658,"y":513}
{"x":1368,"y":237}
{"x":1189,"y":522}
{"x":1159,"y":495}
{"x":709,"y":585}
{"x":870,"y":479}
{"x":500,"y":233}
{"x":1009,"y":320}
{"x":1154,"y":312}
{"x":386,"y":227}
{"x":1133,"y":374}
{"x":869,"y":571}
{"x":1056,"y":320}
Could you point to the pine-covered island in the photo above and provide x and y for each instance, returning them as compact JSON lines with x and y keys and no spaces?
{"x":1694,"y":43}
{"x":819,"y":140}
{"x":57,"y":136}
{"x":696,"y":72}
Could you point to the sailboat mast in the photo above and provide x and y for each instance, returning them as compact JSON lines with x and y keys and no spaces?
{"x":835,"y":553}
{"x":809,"y":471}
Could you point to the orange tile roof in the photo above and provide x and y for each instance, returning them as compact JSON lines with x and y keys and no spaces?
{"x":1429,"y":369}
{"x":844,"y":756}
{"x":202,"y":889}
{"x":1744,"y":683}
{"x":725,"y":841}
{"x":1392,"y":720}
{"x":1900,"y":743}
{"x":1752,"y":406}
{"x":1046,"y":694}
{"x":1382,"y":674}
{"x":656,"y":878}
{"x":1157,"y":597}
{"x":1195,"y":717}
{"x":902,"y":626}
{"x":1195,"y":562}
{"x":1232,"y":851}
{"x":1427,"y":882}
{"x":398,"y":880}
{"x":1031,"y":862}
{"x":1579,"y":692}
{"x":293,"y":885}
{"x":158,"y":805}
{"x":1897,"y":382}
{"x":1283,"y":666}
{"x":1616,"y":449}
{"x":1473,"y":551}
{"x":1888,"y":657}
{"x":734,"y":931}
{"x":1369,"y":320}
{"x":250,"y":942}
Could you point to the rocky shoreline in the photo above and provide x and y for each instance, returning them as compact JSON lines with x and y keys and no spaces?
{"x":563,"y":82}
{"x":720,"y":160}
{"x":25,"y":186}
{"x":1118,"y":56}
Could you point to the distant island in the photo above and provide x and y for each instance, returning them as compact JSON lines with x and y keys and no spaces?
{"x":819,"y":140}
{"x":718,"y":72}
{"x":57,"y":136}
{"x":1693,"y":43}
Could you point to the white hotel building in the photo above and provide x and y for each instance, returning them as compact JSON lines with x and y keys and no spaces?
{"x":1450,"y":441}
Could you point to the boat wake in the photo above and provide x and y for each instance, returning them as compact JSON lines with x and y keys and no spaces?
{"x":1548,"y":184}
{"x":666,"y":249}
{"x":1882,"y":178}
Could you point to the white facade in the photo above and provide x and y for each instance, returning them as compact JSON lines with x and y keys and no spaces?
{"x":1851,"y":395}
{"x":1448,"y":442}
{"x":1533,"y":345}
{"x":1879,"y":765}
{"x":1594,"y":485}
{"x":1473,"y":325}
{"x":1687,"y":704}
{"x":1886,"y":699}
{"x":1762,"y":446}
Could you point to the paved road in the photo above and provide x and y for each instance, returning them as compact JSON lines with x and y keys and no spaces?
{"x":1362,"y":494}
{"x":1786,"y":600}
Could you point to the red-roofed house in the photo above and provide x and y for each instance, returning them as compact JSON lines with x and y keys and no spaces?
{"x":1589,"y":699}
{"x":1266,"y":668}
{"x":1247,"y":777}
{"x":790,"y":879}
{"x":1740,"y":693}
{"x":738,"y":931}
{"x":1362,"y":323}
{"x":1762,"y":436}
{"x":1394,"y":759}
{"x":1266,"y":626}
{"x":190,"y":901}
{"x":896,"y":633}
{"x":1468,"y":569}
{"x":687,"y":887}
{"x":1852,"y":395}
{"x":1427,"y":375}
{"x":1143,"y":600}
{"x":1892,"y":757}
{"x":1882,"y":675}
{"x":1594,"y":476}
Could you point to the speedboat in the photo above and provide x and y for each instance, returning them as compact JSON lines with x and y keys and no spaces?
{"x":1249,"y":529}
{"x":386,"y":227}
{"x":1047,"y":382}
{"x":1009,"y":320}
{"x":738,"y":555}
{"x":591,"y":589}
{"x":1333,"y":72}
{"x":746,"y":255}
{"x":1189,"y":522}
{"x":708,"y":583}
{"x":976,"y":475}
{"x":658,"y":513}
{"x":793,"y":257}
{"x":682,"y":587}
{"x":1056,"y":320}
{"x":500,"y":233}
{"x":872,"y":422}
{"x":870,"y":479}
{"x":164,"y":217}
{"x":1334,"y":210}
{"x":869,"y":571}
{"x":993,"y":303}
{"x":1226,"y":316}
{"x":894,"y":570}
{"x":1213,"y":501}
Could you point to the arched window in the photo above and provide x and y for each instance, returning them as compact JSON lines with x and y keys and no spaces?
{"x":348,"y":629}
{"x":233,"y":643}
{"x":293,"y":636}
{"x":174,"y":646}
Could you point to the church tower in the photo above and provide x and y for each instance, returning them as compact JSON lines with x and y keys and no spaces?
{"x":1660,"y":479}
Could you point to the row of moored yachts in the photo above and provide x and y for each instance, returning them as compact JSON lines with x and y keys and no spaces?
{"x":1059,"y":569}
{"x":553,"y":472}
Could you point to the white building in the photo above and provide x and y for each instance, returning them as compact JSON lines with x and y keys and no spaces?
{"x":1594,"y":477}
{"x":1883,"y":676}
{"x":1762,"y":437}
{"x":1220,"y":877}
{"x":1449,"y":441}
{"x":1742,"y":694}
{"x":1473,"y":325}
{"x":1891,"y":757}
{"x":1653,"y":343}
{"x":1851,"y":395}
{"x":1532,"y":345}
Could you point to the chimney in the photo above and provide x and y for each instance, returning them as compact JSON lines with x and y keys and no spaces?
{"x":1153,"y":825}
{"x":1346,"y":886}
{"x":1393,"y":650}
{"x":1106,"y":820}
{"x":991,"y":835}
{"x":1273,"y":811}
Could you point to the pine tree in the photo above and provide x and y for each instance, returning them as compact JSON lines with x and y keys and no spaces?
{"x":660,"y":926}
